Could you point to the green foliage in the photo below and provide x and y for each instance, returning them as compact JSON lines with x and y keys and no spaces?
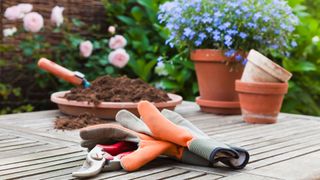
{"x":304,"y":90}
{"x":137,"y":21}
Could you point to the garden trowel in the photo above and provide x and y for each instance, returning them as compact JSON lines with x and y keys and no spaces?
{"x":74,"y":77}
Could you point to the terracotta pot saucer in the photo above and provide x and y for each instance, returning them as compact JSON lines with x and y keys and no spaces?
{"x":219,"y":107}
{"x":106,"y":110}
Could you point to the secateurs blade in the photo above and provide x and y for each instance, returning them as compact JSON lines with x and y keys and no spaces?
{"x":104,"y":158}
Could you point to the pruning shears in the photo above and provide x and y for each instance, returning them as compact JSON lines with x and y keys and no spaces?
{"x":104,"y":158}
{"x":74,"y":77}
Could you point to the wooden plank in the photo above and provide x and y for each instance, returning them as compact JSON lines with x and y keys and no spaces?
{"x":245,"y":138}
{"x":284,"y":144}
{"x":44,"y":164}
{"x":164,"y":174}
{"x":58,"y":174}
{"x":218,"y":171}
{"x":303,"y":167}
{"x":5,"y":141}
{"x":285,"y":156}
{"x":7,"y":136}
{"x":16,"y":143}
{"x":42,"y":170}
{"x":28,"y":133}
{"x":279,"y":139}
{"x":41,"y":161}
{"x":246,"y":176}
{"x":20,"y":150}
{"x":141,"y":173}
{"x":33,"y":148}
{"x":107,"y":175}
{"x":188,"y":175}
{"x":207,"y":177}
{"x":284,"y":150}
{"x":273,"y":136}
{"x":36,"y":156}
{"x":30,"y":115}
{"x":256,"y":128}
{"x":234,"y":125}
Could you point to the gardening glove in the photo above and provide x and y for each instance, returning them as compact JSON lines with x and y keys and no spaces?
{"x":189,"y":136}
{"x":236,"y":163}
{"x":148,"y":148}
{"x":130,"y":121}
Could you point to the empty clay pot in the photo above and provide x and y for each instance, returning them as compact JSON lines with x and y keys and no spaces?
{"x":261,"y":101}
{"x":216,"y":81}
{"x":261,"y":69}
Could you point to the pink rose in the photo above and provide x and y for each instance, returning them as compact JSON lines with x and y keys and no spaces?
{"x":33,"y":22}
{"x":13,"y":13}
{"x":25,"y":8}
{"x":17,"y":12}
{"x":56,"y":15}
{"x":112,"y":29}
{"x":117,"y":41}
{"x":86,"y":48}
{"x":119,"y":58}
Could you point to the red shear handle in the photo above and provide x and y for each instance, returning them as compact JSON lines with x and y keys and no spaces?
{"x":59,"y":71}
{"x":119,"y":147}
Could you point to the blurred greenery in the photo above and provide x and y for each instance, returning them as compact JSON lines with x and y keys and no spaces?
{"x":137,"y":21}
{"x":304,"y":88}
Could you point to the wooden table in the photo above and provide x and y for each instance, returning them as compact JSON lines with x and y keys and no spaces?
{"x":31,"y":149}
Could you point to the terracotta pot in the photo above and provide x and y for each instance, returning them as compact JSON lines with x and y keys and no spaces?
{"x":261,"y":101}
{"x":261,"y":69}
{"x":106,"y":110}
{"x":216,"y":81}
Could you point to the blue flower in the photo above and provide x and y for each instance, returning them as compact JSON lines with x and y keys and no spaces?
{"x":244,"y":62}
{"x":243,"y":35}
{"x":232,"y":32}
{"x":230,"y":53}
{"x":238,"y":57}
{"x":294,"y":44}
{"x":218,"y":14}
{"x":264,"y":29}
{"x":188,"y":33}
{"x":209,"y":29}
{"x":228,"y":40}
{"x":252,"y":25}
{"x":198,"y":42}
{"x":202,"y":36}
{"x":160,"y":59}
{"x":257,"y":16}
{"x":266,"y":19}
{"x":238,"y":12}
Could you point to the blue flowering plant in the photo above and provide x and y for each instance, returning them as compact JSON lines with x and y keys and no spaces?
{"x":233,"y":25}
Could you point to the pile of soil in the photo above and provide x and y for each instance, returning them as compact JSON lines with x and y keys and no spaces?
{"x":77,"y":122}
{"x":121,"y":89}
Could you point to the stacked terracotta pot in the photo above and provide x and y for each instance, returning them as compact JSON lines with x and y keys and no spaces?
{"x":261,"y":89}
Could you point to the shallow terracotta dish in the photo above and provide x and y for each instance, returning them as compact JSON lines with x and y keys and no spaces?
{"x":106,"y":110}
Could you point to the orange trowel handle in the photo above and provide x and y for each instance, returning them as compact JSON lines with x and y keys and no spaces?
{"x":59,"y":71}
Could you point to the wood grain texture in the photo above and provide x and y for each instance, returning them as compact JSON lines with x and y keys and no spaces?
{"x":290,"y":149}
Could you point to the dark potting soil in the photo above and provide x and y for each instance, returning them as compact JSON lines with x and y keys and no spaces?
{"x":120,"y":89}
{"x":77,"y":122}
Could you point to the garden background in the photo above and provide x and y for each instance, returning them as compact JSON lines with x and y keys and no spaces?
{"x":23,"y":87}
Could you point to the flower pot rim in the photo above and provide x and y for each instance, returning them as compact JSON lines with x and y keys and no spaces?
{"x":219,"y":104}
{"x":262,"y":87}
{"x":268,"y":66}
{"x":210,"y":55}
